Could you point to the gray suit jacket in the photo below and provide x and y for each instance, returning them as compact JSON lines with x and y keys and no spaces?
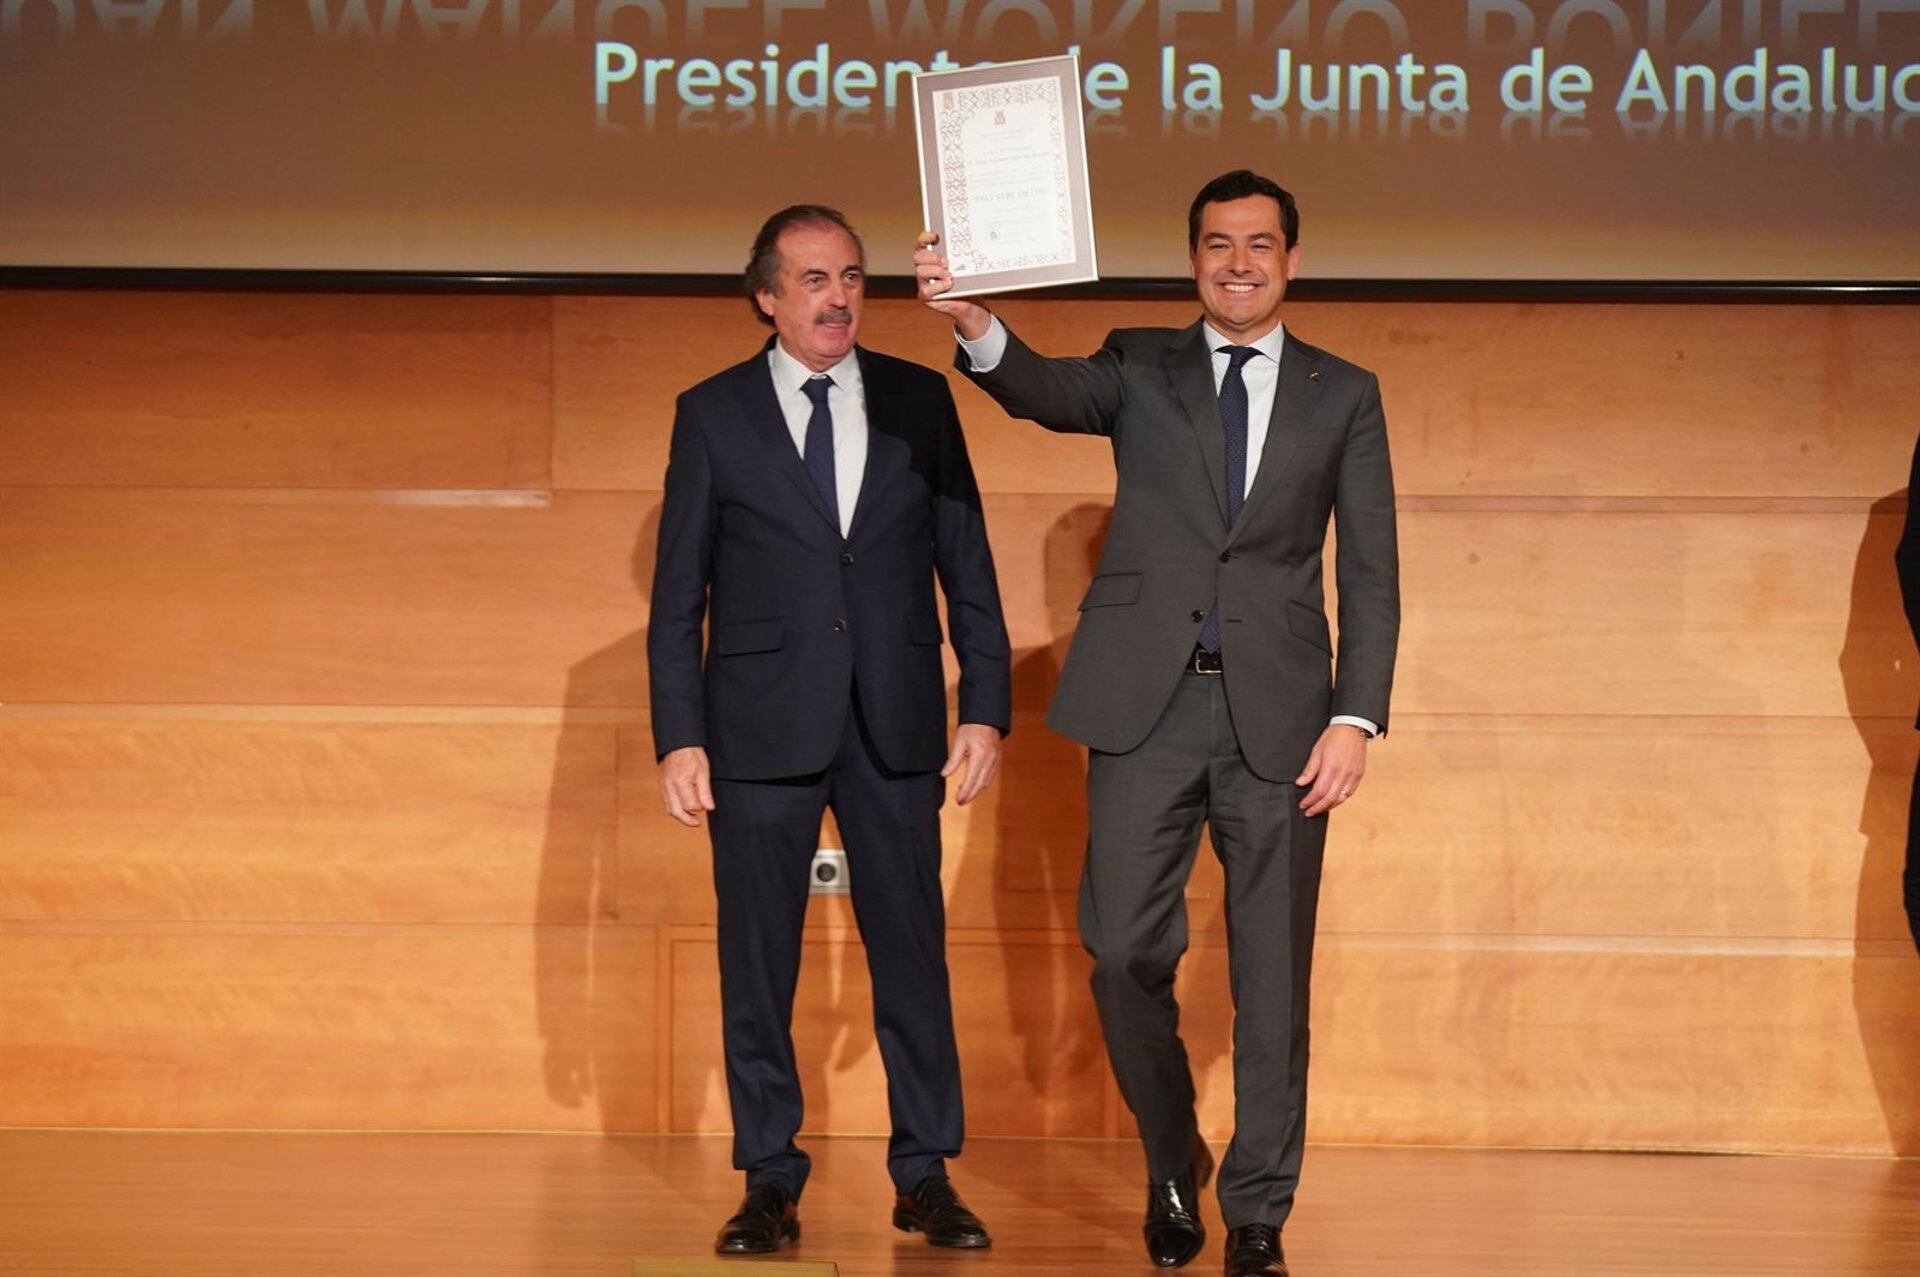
{"x":1170,"y":553}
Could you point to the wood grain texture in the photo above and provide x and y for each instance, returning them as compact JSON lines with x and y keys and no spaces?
{"x":618,"y":365}
{"x":414,"y":1028}
{"x":212,"y":1205}
{"x":311,"y":598}
{"x":1575,"y":1041}
{"x":1496,"y":399}
{"x":301,"y":822}
{"x":1584,"y":1041}
{"x":1733,"y":615}
{"x":1787,"y":828}
{"x":1613,"y":826}
{"x":274,"y":390}
{"x":1538,"y":612}
{"x":328,"y":798}
{"x":240,"y":598}
{"x":1493,"y":878}
{"x":1623,"y":827}
{"x":1594,"y":1047}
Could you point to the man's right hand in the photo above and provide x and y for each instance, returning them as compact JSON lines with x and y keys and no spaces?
{"x":686,"y":784}
{"x":930,"y":268}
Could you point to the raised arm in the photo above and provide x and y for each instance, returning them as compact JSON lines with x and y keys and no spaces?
{"x":1075,"y":396}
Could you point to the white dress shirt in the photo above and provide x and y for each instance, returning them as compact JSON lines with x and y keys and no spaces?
{"x":1261,"y":375}
{"x":847,"y":400}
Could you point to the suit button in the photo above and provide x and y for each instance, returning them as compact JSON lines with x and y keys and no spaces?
{"x":1226,"y":556}
{"x":840,"y":624}
{"x":1198,"y":615}
{"x":847,"y":557}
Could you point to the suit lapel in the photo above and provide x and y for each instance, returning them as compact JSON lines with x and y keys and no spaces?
{"x":1189,"y":366}
{"x":1294,"y":400}
{"x":887,"y":452}
{"x":754,"y":390}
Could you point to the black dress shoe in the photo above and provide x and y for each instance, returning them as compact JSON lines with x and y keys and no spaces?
{"x":935,"y":1209}
{"x":1173,"y":1229}
{"x":768,"y":1220}
{"x":1253,"y":1250}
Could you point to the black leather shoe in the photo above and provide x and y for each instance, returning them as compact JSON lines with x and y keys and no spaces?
{"x":768,"y":1220}
{"x":1253,"y":1250}
{"x":1173,"y":1229}
{"x":935,"y":1209}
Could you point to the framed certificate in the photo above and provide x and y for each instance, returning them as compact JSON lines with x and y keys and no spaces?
{"x":1003,"y":174}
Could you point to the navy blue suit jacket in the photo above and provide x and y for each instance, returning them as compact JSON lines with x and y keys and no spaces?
{"x":795,"y":614}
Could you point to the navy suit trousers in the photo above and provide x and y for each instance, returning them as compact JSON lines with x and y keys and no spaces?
{"x":764,"y":835}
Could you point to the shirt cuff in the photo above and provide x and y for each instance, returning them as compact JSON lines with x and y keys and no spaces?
{"x":1366,"y":725}
{"x":985,"y":351}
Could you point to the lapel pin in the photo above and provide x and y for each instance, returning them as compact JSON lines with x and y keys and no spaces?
{"x":1314,"y":375}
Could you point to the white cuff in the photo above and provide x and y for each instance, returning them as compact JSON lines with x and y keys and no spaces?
{"x":1366,"y":725}
{"x":985,"y":351}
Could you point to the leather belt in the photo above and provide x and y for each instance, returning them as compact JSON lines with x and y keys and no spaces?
{"x":1204,"y":662}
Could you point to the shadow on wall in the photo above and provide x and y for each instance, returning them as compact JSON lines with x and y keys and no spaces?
{"x":596,"y":1004}
{"x":1886,"y":971}
{"x":1027,"y":837}
{"x":586,"y":1012}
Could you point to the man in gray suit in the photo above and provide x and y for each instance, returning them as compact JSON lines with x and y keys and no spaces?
{"x":1201,"y":678}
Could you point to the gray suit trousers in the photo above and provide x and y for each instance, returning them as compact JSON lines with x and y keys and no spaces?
{"x":1145,"y":809}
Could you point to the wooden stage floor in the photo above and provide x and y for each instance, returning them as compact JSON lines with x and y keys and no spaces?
{"x":274,"y":1205}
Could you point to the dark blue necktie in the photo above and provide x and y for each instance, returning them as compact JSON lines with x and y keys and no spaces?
{"x":1233,"y":428}
{"x":818,"y":452}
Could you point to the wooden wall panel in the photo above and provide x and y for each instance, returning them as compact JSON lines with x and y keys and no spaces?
{"x":262,"y":390}
{"x":1593,"y":1045}
{"x":1625,"y":827}
{"x":306,"y":822}
{"x":1464,"y":827}
{"x":618,"y":365}
{"x":314,"y":598}
{"x":1655,"y":400}
{"x":1482,"y":400}
{"x":1612,"y":613}
{"x":1535,"y":825}
{"x":408,"y":1028}
{"x":1011,"y":858}
{"x":620,"y":362}
{"x":1583,"y":1043}
{"x":339,"y":601}
{"x":328,"y":798}
{"x":664,"y":869}
{"x":1536,"y":611}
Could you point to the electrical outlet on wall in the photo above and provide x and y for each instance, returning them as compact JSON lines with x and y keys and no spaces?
{"x":828,"y":877}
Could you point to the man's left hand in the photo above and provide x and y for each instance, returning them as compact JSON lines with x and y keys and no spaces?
{"x":976,"y":747}
{"x":1334,"y":768}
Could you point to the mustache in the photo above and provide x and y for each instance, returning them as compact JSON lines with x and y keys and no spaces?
{"x":834,"y":315}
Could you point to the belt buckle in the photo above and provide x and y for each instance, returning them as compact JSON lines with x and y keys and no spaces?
{"x":1205,"y":662}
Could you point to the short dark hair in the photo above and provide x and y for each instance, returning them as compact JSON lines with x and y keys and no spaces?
{"x":1238,"y":185}
{"x":763,"y":262}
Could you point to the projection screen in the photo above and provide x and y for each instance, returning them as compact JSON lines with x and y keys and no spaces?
{"x":1764,"y":140}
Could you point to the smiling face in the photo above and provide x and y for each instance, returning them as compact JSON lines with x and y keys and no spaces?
{"x":816,"y":305}
{"x":1241,"y":266}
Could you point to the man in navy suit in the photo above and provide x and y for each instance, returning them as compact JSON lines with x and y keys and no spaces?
{"x":814,"y":493}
